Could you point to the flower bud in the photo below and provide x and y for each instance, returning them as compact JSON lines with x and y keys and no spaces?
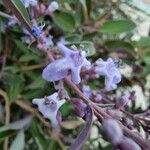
{"x":122,"y":101}
{"x":128,"y":144}
{"x":111,"y":131}
{"x":80,"y":107}
{"x":53,"y":6}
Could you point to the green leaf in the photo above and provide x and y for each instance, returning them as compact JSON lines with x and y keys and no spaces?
{"x":29,"y":57}
{"x":15,"y":85}
{"x":86,"y":46}
{"x":144,"y":42}
{"x":38,"y":83}
{"x":67,"y":1}
{"x":117,"y":26}
{"x":25,"y":49}
{"x":146,"y":57}
{"x":19,"y":142}
{"x":64,"y":20}
{"x":39,"y":137}
{"x":114,"y":45}
{"x":18,"y":9}
{"x":14,"y":126}
{"x":73,"y":38}
{"x":89,"y":6}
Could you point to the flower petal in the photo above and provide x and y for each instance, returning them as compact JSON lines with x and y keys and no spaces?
{"x":56,"y":70}
{"x":75,"y":75}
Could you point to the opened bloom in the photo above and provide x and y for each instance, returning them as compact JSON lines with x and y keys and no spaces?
{"x":72,"y":61}
{"x":49,"y":107}
{"x":110,"y":70}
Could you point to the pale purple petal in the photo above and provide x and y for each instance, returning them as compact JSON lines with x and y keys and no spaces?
{"x":63,"y":49}
{"x":75,"y":75}
{"x":110,"y":71}
{"x":56,"y":70}
{"x":53,"y":6}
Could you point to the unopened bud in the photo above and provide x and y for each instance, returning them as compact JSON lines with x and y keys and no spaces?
{"x":111,"y":131}
{"x":53,"y":6}
{"x":128,"y":144}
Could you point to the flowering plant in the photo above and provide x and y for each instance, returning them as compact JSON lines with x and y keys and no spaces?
{"x":67,"y":69}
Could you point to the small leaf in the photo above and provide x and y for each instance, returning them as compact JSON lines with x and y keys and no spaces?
{"x":114,"y":45}
{"x":38,"y":83}
{"x":81,"y":139}
{"x":144,"y":42}
{"x":19,"y":142}
{"x":15,"y":85}
{"x":73,"y":38}
{"x":38,"y":135}
{"x":117,"y":26}
{"x":29,"y":57}
{"x":86,"y":46}
{"x":12,"y":127}
{"x":146,"y":57}
{"x":18,"y":9}
{"x":64,"y":20}
{"x":67,"y":1}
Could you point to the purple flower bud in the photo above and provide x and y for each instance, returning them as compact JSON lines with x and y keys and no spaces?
{"x":80,"y":107}
{"x":128,"y":144}
{"x":12,"y":22}
{"x":122,"y":101}
{"x":87,"y":91}
{"x":53,"y":6}
{"x":49,"y":107}
{"x":73,"y":61}
{"x":111,"y":131}
{"x":47,"y":42}
{"x":110,"y":71}
{"x":115,"y":113}
{"x":27,"y":3}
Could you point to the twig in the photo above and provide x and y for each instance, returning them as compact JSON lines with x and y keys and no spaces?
{"x":7,"y":16}
{"x":7,"y":118}
{"x":31,"y":67}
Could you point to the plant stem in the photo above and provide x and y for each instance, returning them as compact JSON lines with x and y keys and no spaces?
{"x":7,"y":16}
{"x":7,"y":118}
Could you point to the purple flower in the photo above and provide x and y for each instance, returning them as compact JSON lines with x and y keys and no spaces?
{"x":72,"y":61}
{"x":49,"y":107}
{"x":53,"y":6}
{"x":110,"y":70}
{"x":63,"y":41}
{"x":27,"y":3}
